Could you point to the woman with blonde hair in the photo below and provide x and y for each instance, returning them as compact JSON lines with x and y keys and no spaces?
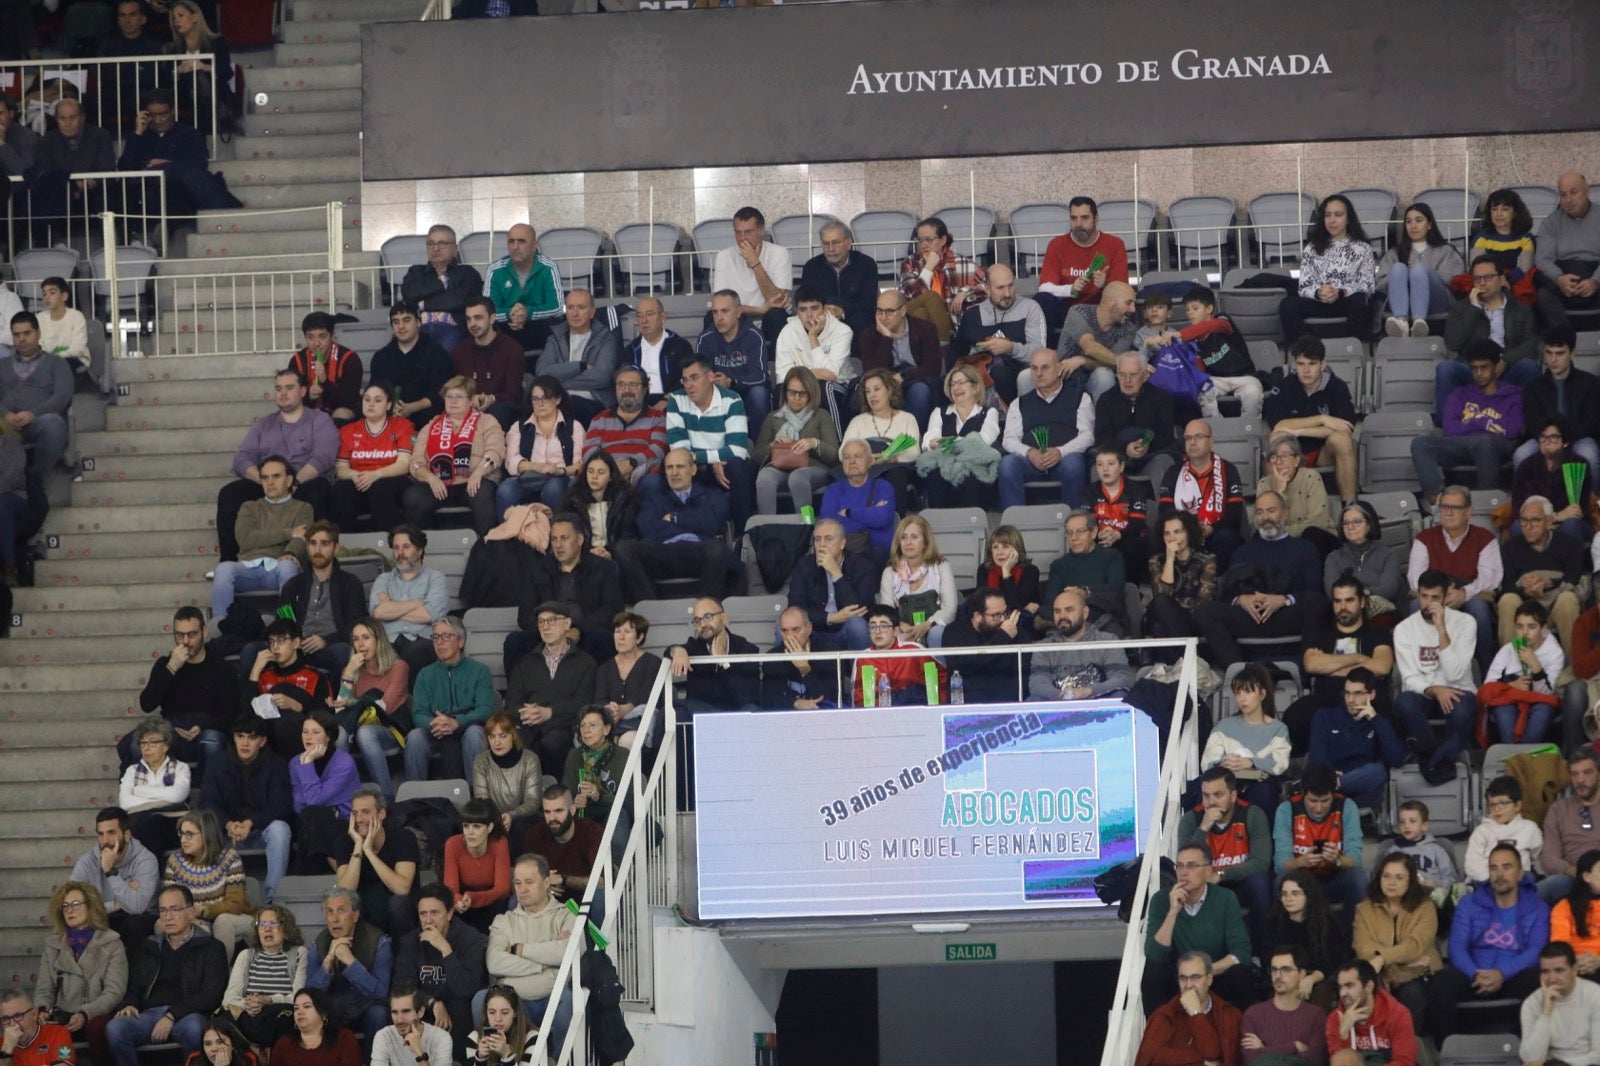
{"x":375,"y":674}
{"x":960,"y":460}
{"x":192,"y":35}
{"x":919,"y":583}
{"x":456,"y":459}
{"x":797,"y":445}
{"x":1006,"y":570}
{"x":84,"y":972}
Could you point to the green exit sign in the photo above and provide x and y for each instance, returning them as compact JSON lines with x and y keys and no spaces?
{"x":969,"y":953}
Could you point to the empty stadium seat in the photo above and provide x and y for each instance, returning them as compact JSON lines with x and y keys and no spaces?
{"x":1253,"y":311}
{"x":1278,"y":225}
{"x":1586,"y":355}
{"x":1403,"y":385}
{"x":1202,"y":229}
{"x":1481,"y":1049}
{"x":1134,"y":221}
{"x":1375,"y":209}
{"x":670,"y":622}
{"x":1399,"y":516}
{"x":1033,"y":227}
{"x":971,"y":231}
{"x":1348,"y":357}
{"x":802,"y":235}
{"x":447,"y":553}
{"x":1484,"y":501}
{"x":1450,"y":805}
{"x":1265,"y":355}
{"x":399,"y":254}
{"x":453,"y":789}
{"x":1383,"y":449}
{"x":645,"y":255}
{"x":136,"y":263}
{"x":480,"y":248}
{"x":1540,"y":200}
{"x":962,"y":533}
{"x":1042,"y":528}
{"x":710,"y":237}
{"x":886,"y":236}
{"x":1186,"y":278}
{"x":573,"y":249}
{"x":755,"y":618}
{"x":1455,"y":210}
{"x":487,"y":629}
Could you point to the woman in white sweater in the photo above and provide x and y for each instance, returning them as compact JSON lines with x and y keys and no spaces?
{"x":1338,"y":273}
{"x":62,"y":329}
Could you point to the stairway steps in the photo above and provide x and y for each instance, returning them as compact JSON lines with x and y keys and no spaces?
{"x":317,"y":12}
{"x":201,"y":369}
{"x":303,"y":101}
{"x":95,"y":761}
{"x":305,"y":55}
{"x":246,"y":174}
{"x":26,"y":913}
{"x":150,"y":491}
{"x":154,"y":623}
{"x":31,"y":882}
{"x":260,"y":270}
{"x":305,"y":194}
{"x":274,"y":322}
{"x":184,"y":416}
{"x":199,"y":393}
{"x":63,"y":681}
{"x":37,"y":603}
{"x":57,"y":734}
{"x":115,"y":469}
{"x":306,"y":220}
{"x":274,"y":123}
{"x":72,"y":798}
{"x":224,"y":342}
{"x":159,"y":442}
{"x":305,"y":78}
{"x":199,"y":544}
{"x":292,"y":242}
{"x":111,"y":707}
{"x":110,"y":515}
{"x":302,"y":292}
{"x":109,"y":571}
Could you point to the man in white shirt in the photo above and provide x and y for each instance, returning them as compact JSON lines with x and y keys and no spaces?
{"x":1433,"y":653}
{"x":757,"y":269}
{"x":818,"y":341}
{"x":657,"y":351}
{"x":1562,"y":1019}
{"x":1049,"y":431}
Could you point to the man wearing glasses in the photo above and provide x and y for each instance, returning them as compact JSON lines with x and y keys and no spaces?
{"x":908,"y":348}
{"x":161,"y":142}
{"x":1469,"y":557}
{"x":175,"y":982}
{"x":1193,"y":918}
{"x":549,"y":685}
{"x":1488,"y":313}
{"x":1561,"y":391}
{"x":440,"y":288}
{"x":1285,"y":1026}
{"x":722,"y":686}
{"x":1194,"y":1028}
{"x":1570,"y":825}
{"x":27,"y":1042}
{"x":452,"y":699}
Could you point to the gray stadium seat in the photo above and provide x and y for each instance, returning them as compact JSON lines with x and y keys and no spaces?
{"x":32,"y":266}
{"x":1254,"y":311}
{"x":1033,"y":227}
{"x":802,"y":235}
{"x":1134,"y":221}
{"x":1450,"y":805}
{"x":1265,"y":355}
{"x":755,"y":618}
{"x":447,"y":553}
{"x":645,"y":255}
{"x":1042,"y":526}
{"x":710,"y":237}
{"x":1170,"y":277}
{"x":480,"y":248}
{"x":1375,"y":208}
{"x":1586,"y":356}
{"x":399,"y":254}
{"x":971,"y":230}
{"x":365,"y":567}
{"x":1383,"y":449}
{"x":1399,"y":516}
{"x":1455,"y":210}
{"x":1481,"y":1049}
{"x":886,"y":236}
{"x":1278,"y":225}
{"x":962,"y":533}
{"x":1202,"y":229}
{"x":1539,"y":199}
{"x":1427,"y":349}
{"x":1484,"y":501}
{"x":1403,"y":385}
{"x":454,"y":789}
{"x":573,"y":248}
{"x":669,"y":622}
{"x":487,"y":629}
{"x":135,"y":264}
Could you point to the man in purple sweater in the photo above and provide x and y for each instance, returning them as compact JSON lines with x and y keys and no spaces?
{"x":1482,"y":422}
{"x":1285,"y":1027}
{"x":306,"y":437}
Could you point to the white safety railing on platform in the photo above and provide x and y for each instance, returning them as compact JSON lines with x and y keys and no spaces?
{"x":644,"y":883}
{"x":112,"y":91}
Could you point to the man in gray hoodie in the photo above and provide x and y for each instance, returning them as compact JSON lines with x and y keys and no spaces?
{"x":582,"y":354}
{"x":1068,"y":666}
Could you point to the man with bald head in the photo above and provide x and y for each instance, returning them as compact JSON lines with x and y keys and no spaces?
{"x":715,"y":686}
{"x":526,"y":289}
{"x":582,"y":354}
{"x":73,"y":147}
{"x":1095,"y":334}
{"x":797,"y":681}
{"x":657,"y":351}
{"x":1567,"y":253}
{"x":834,"y":586}
{"x":1006,"y":327}
{"x":682,"y":529}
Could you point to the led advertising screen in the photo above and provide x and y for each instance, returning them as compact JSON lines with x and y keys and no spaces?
{"x":918,"y":809}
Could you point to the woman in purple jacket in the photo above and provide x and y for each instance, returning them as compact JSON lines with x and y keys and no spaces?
{"x":322,"y":778}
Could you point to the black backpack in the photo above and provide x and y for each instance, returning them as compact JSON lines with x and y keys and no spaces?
{"x":1117,"y":884}
{"x":778,"y":548}
{"x":433,"y":820}
{"x":608,"y":1031}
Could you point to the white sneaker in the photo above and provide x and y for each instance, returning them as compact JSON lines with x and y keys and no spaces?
{"x":1419,"y":327}
{"x":1394,"y":327}
{"x":211,"y":575}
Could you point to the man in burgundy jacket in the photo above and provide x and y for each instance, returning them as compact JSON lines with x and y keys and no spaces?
{"x":1194,"y":1029}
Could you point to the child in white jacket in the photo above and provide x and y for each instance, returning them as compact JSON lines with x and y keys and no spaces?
{"x":1504,"y":823}
{"x":1532,"y":661}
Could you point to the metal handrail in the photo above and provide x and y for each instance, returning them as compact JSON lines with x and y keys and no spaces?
{"x":111,"y":87}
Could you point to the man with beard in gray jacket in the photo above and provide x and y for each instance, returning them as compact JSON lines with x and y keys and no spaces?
{"x":1067,"y":665}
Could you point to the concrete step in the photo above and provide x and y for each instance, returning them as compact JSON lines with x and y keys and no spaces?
{"x":39,"y":706}
{"x":303,"y":220}
{"x":201,"y":392}
{"x":300,"y":55}
{"x":271,"y":80}
{"x":117,"y":571}
{"x":24,"y":913}
{"x":154,"y":623}
{"x":245,"y":175}
{"x":40,"y":604}
{"x":101,"y":496}
{"x":112,"y":516}
{"x":298,"y":291}
{"x":280,"y":323}
{"x":300,"y":101}
{"x":47,"y":651}
{"x":268,"y":122}
{"x":165,"y":544}
{"x":200,"y":368}
{"x":298,"y":146}
{"x":319,"y":12}
{"x":60,"y":734}
{"x":246,"y":271}
{"x":157,"y":442}
{"x":31,"y":883}
{"x":303,"y":194}
{"x":225,"y":342}
{"x":184,"y":416}
{"x":321,"y":31}
{"x":76,"y":799}
{"x":110,"y":470}
{"x":286,"y":242}
{"x":51,"y":769}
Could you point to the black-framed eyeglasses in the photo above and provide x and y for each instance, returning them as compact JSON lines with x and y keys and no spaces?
{"x":799,"y":394}
{"x":702,"y":619}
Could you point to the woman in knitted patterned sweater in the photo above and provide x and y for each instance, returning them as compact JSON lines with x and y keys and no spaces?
{"x":213,"y":872}
{"x":1338,"y":273}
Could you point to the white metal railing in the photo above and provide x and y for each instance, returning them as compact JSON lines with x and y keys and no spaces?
{"x":112,"y":90}
{"x":644,"y":882}
{"x":437,"y":10}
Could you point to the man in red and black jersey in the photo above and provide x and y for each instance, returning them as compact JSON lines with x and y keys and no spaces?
{"x":293,"y":685}
{"x":331,"y":371}
{"x":1121,"y":510}
{"x":1240,"y":839}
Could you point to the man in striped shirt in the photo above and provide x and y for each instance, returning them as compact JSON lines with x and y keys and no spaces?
{"x":633,"y":435}
{"x":709,"y":422}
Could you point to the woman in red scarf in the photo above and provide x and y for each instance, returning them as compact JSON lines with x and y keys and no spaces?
{"x":456,"y":460}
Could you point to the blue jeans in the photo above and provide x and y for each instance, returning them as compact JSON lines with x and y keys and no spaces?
{"x":534,"y":1009}
{"x":1416,"y":292}
{"x":233,"y":578}
{"x":377,"y":743}
{"x":757,"y":399}
{"x":1485,"y":451}
{"x":1365,"y":784}
{"x":1412,"y":709}
{"x":1554,"y":888}
{"x":1451,"y":374}
{"x":511,"y":493}
{"x":1505,"y":723}
{"x":1016,"y":471}
{"x":276,"y":838}
{"x":124,"y":1035}
{"x":921,"y":397}
{"x":1586,"y":449}
{"x":457,"y":752}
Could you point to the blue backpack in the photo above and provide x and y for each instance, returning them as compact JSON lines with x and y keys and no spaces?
{"x":1175,"y":369}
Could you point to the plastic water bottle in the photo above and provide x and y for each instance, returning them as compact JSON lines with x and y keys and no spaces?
{"x":958,"y":688}
{"x":885,"y":696}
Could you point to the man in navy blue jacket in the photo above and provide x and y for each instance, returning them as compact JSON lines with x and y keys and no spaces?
{"x":1359,"y":745}
{"x":846,"y":278}
{"x":249,"y":792}
{"x":1272,"y":588}
{"x":682,"y":527}
{"x":161,"y":142}
{"x":834,"y":587}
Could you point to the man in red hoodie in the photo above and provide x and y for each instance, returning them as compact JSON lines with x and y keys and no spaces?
{"x":1369,"y":1020}
{"x":1194,"y":1029}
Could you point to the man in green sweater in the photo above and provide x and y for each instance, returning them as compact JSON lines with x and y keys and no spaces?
{"x":526,"y":289}
{"x":1240,"y":840}
{"x":1193,"y":917}
{"x":1088,"y":564}
{"x":452,"y":700}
